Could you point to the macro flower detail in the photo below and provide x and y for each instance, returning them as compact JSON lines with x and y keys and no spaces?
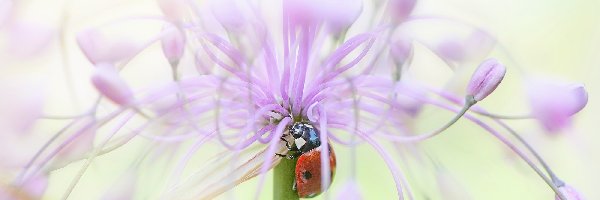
{"x":341,"y":99}
{"x":401,"y":9}
{"x":108,"y":82}
{"x":98,"y":48}
{"x":553,"y":102}
{"x":485,"y":79}
{"x":173,"y":46}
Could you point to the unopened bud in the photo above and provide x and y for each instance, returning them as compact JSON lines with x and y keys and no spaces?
{"x":229,"y":14}
{"x":99,"y":49}
{"x":174,"y":10}
{"x":553,"y":102}
{"x":401,"y":9}
{"x":107,"y":81}
{"x":486,"y":78}
{"x":580,"y":98}
{"x":341,"y":14}
{"x":173,"y":45}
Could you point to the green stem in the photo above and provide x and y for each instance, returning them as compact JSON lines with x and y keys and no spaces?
{"x":283,"y":180}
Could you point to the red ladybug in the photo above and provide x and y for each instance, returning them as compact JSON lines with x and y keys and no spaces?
{"x":308,"y":172}
{"x":307,"y":145}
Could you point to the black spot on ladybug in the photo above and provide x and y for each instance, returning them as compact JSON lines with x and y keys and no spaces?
{"x":306,"y":175}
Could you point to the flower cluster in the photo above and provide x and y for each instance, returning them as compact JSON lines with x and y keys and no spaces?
{"x":240,"y":78}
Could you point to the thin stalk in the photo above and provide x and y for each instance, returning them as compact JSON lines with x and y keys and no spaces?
{"x":502,"y":139}
{"x":553,"y":176}
{"x":283,"y":179}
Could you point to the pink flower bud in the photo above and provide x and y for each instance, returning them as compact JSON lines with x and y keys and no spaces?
{"x":475,"y":46}
{"x":407,"y":93}
{"x":229,"y":14}
{"x":486,"y":78}
{"x":401,"y":51}
{"x":401,"y":9}
{"x":581,"y":98}
{"x":174,"y":10}
{"x":554,"y":102}
{"x":98,"y":49}
{"x":107,"y":81}
{"x":173,"y":45}
{"x":570,"y":193}
{"x":451,"y":49}
{"x":341,"y":14}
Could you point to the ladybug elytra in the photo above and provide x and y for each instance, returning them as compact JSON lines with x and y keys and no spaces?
{"x":306,"y":146}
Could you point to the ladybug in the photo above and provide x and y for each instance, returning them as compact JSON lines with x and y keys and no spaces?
{"x":306,"y":147}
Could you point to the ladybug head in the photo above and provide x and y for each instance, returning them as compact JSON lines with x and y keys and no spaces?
{"x":298,"y":129}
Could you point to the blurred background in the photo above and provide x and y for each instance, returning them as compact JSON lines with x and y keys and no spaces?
{"x":553,"y":38}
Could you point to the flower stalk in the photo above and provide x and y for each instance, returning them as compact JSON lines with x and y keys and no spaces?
{"x":283,"y":179}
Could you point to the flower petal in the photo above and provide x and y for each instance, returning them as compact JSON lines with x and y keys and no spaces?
{"x":401,"y":9}
{"x":107,"y":81}
{"x":98,"y":49}
{"x":485,"y":79}
{"x":173,"y":44}
{"x":554,"y":102}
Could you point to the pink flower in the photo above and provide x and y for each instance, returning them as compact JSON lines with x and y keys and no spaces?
{"x":107,"y":81}
{"x":100,"y":49}
{"x":401,"y":9}
{"x":173,"y":45}
{"x":485,"y":79}
{"x":174,"y":10}
{"x":477,"y":45}
{"x":554,"y":102}
{"x":341,"y":14}
{"x":229,"y":14}
{"x":401,"y":51}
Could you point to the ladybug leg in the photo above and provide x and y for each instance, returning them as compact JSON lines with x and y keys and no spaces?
{"x":281,"y":155}
{"x":294,"y":155}
{"x":287,"y":143}
{"x":289,"y":156}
